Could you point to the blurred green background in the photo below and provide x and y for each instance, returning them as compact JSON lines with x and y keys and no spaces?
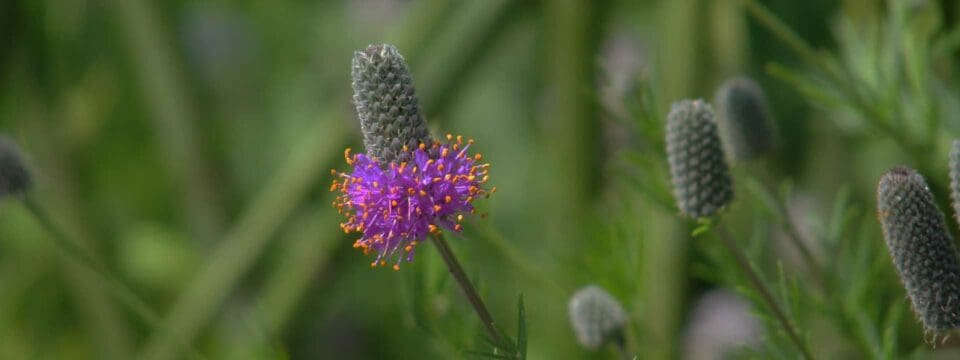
{"x":188,"y":144}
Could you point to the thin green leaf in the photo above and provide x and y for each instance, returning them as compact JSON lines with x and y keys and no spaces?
{"x":521,"y":329}
{"x":703,"y":227}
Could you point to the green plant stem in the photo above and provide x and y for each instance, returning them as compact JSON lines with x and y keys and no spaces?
{"x":623,"y":349}
{"x":843,"y":80}
{"x":793,"y":233}
{"x":762,"y":289}
{"x":840,"y":78}
{"x":304,"y":254}
{"x":471,"y":293}
{"x":244,"y":243}
{"x":70,"y":249}
{"x":170,"y":116}
{"x":447,"y":64}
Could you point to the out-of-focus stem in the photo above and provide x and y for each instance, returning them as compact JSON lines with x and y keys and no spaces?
{"x":237,"y":252}
{"x":762,"y":289}
{"x":471,"y":293}
{"x":793,"y":233}
{"x":70,"y":249}
{"x":162,"y":86}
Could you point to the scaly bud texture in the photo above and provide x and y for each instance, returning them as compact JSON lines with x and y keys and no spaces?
{"x":387,"y":106}
{"x":745,"y":125}
{"x":921,"y":247}
{"x":955,"y":178}
{"x":596,"y":317}
{"x":14,"y":176}
{"x":701,"y":179}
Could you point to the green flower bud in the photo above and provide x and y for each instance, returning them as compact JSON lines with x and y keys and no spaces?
{"x":387,"y":106}
{"x":745,"y":125}
{"x":597,"y":318}
{"x":921,"y":247}
{"x":701,"y":179}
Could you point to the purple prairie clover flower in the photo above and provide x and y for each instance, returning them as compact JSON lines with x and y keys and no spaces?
{"x":396,"y":206}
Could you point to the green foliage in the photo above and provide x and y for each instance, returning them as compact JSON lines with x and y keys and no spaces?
{"x":184,"y":146}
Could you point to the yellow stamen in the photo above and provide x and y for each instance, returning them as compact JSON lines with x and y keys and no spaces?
{"x":346,"y":156}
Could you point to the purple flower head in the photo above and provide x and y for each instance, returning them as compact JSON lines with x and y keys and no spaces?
{"x":398,"y":206}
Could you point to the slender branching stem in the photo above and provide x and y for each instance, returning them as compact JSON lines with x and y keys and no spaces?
{"x":471,"y":293}
{"x":793,"y":233}
{"x":72,"y":250}
{"x":762,"y":289}
{"x":623,"y":349}
{"x":837,"y":76}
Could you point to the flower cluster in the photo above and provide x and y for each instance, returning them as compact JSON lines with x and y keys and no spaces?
{"x":398,"y":206}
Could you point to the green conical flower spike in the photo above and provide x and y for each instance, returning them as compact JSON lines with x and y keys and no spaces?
{"x":955,"y":178}
{"x":701,"y":179}
{"x":921,"y":247}
{"x":14,"y":176}
{"x":745,"y":125}
{"x":387,"y":106}
{"x":597,"y":318}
